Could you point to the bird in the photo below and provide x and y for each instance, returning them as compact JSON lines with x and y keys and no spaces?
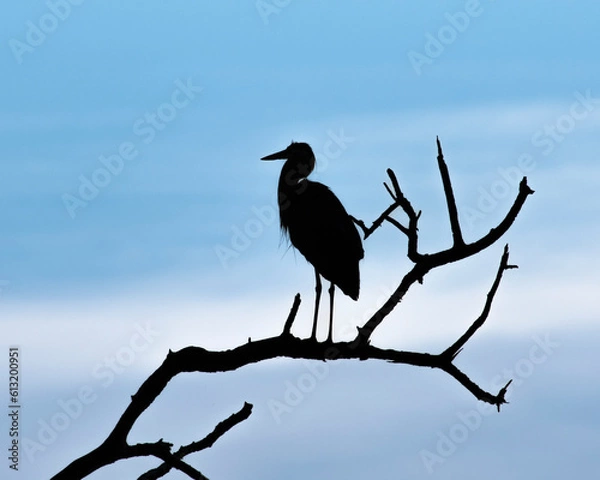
{"x":318,"y":226}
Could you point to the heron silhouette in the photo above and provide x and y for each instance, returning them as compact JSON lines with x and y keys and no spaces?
{"x":318,"y":225}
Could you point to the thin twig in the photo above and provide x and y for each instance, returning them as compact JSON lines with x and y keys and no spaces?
{"x":389,"y":190}
{"x":399,"y":201}
{"x":398,"y":225}
{"x":498,"y":399}
{"x":292,"y":315}
{"x":360,"y":224}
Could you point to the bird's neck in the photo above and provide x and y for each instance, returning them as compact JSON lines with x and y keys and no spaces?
{"x":292,"y":174}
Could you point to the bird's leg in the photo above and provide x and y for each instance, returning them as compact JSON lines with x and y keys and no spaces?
{"x":318,"y":288}
{"x":331,"y":292}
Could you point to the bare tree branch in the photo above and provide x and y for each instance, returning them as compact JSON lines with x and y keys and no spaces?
{"x":180,"y":465}
{"x":112,"y":451}
{"x":399,"y":201}
{"x":398,"y":225}
{"x":449,"y":193}
{"x":498,"y":399}
{"x":292,"y":316}
{"x":426,"y":262}
{"x":453,"y":350}
{"x":221,"y":429}
{"x":197,"y":359}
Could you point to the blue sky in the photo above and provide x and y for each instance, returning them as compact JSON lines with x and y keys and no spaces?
{"x":190,"y":96}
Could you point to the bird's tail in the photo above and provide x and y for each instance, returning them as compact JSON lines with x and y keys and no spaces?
{"x":349,"y":281}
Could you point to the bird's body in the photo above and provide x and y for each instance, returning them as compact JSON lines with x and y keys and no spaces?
{"x":318,"y":225}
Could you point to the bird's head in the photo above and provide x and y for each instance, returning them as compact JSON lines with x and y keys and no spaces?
{"x":300,"y":158}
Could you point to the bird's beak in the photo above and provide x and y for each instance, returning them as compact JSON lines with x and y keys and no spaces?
{"x":283,"y":154}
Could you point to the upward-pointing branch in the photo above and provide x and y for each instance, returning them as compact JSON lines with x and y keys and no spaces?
{"x":427,"y":262}
{"x":453,"y":350}
{"x":450,"y":201}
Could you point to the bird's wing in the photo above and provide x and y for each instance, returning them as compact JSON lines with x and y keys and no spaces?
{"x":320,"y":228}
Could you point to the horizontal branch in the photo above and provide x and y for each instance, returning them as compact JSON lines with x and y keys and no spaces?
{"x":197,"y":359}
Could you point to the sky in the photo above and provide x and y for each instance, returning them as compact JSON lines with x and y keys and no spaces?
{"x":137,"y":218}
